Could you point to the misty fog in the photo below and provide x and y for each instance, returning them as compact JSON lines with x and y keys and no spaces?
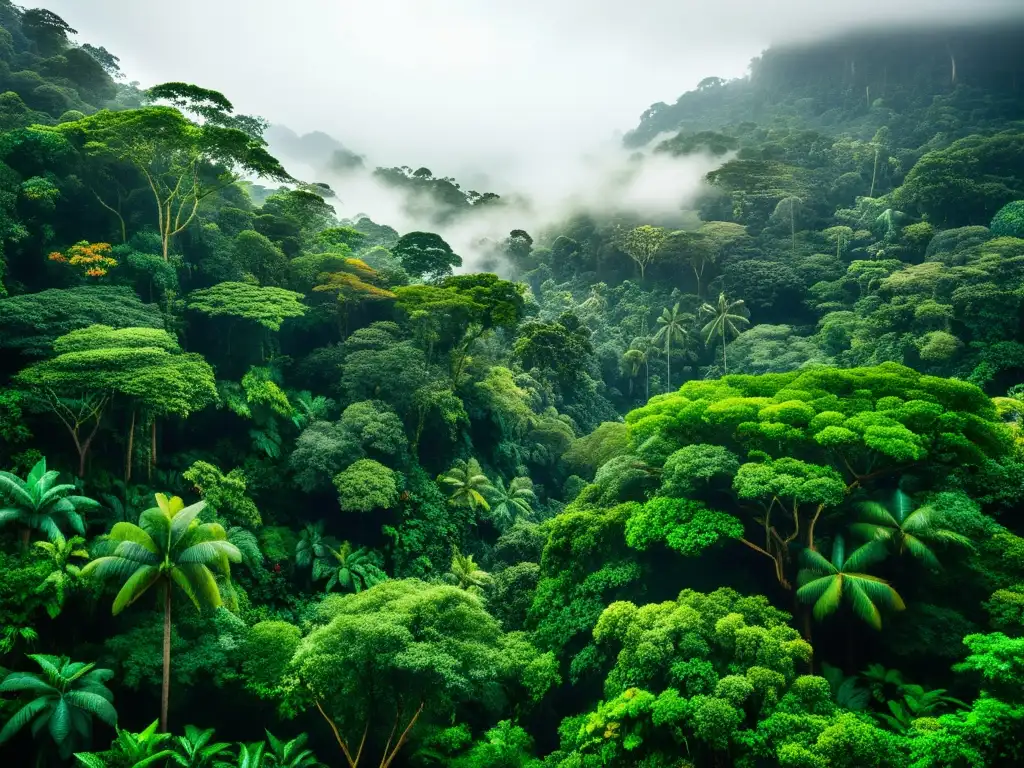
{"x":527,"y":99}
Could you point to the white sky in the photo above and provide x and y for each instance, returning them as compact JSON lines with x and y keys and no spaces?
{"x":461,"y":84}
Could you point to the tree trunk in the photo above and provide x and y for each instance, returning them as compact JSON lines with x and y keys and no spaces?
{"x":165,"y":692}
{"x":152,"y":448}
{"x":792,"y":224}
{"x":647,"y":378}
{"x":668,"y":359}
{"x":131,"y":448}
{"x":725,"y":360}
{"x":26,"y":535}
{"x":874,"y":173}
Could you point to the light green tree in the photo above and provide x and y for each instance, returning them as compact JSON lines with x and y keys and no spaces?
{"x":143,"y":367}
{"x":65,"y":574}
{"x":180,"y":162}
{"x":468,"y":486}
{"x":168,"y":548}
{"x":38,"y":503}
{"x":642,"y":244}
{"x":466,"y":574}
{"x":366,"y":485}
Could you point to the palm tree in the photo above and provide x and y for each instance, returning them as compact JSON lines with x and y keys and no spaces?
{"x":828,"y":583}
{"x":291,"y":754}
{"x":466,"y":574}
{"x":509,"y":504}
{"x":672,"y":331}
{"x":132,"y":750}
{"x":468,"y":485}
{"x":313,"y":544}
{"x":632,"y":359}
{"x":727,"y":318}
{"x":905,"y":529}
{"x":645,"y":346}
{"x":194,"y":750}
{"x":65,"y":574}
{"x":38,"y":504}
{"x":64,"y":699}
{"x":169,"y":547}
{"x":350,"y":569}
{"x":309,"y":408}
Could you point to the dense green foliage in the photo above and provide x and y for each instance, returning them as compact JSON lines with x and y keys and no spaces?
{"x":733,"y":487}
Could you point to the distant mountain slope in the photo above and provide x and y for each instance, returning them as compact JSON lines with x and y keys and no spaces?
{"x":858,"y":82}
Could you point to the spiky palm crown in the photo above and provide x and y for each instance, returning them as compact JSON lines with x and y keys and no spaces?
{"x":40,"y":504}
{"x":905,"y":529}
{"x":726,"y":318}
{"x":351,"y":569}
{"x":468,"y":485}
{"x":64,"y":699}
{"x":171,"y":546}
{"x":515,"y":501}
{"x":673,"y":326}
{"x":828,"y":583}
{"x":466,"y":574}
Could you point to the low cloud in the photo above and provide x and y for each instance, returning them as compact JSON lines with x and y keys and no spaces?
{"x":605,"y":181}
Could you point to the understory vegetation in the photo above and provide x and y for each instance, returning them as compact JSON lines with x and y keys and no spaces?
{"x":735,"y":487}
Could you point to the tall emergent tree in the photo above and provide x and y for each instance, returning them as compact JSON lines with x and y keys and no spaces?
{"x":642,"y":244}
{"x":168,"y":548}
{"x":672,"y":330}
{"x":726,"y":319}
{"x":179,"y":162}
{"x":143,"y":368}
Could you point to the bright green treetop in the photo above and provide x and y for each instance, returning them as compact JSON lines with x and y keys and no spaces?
{"x":39,"y":503}
{"x":265,"y":305}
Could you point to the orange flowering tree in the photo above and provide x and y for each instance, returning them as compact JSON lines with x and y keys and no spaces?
{"x":90,"y":259}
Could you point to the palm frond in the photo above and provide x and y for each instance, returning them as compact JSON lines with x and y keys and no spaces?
{"x":183,"y":519}
{"x":863,"y":556}
{"x":862,"y":604}
{"x":22,"y":717}
{"x":26,"y":682}
{"x":813,"y":588}
{"x":873,"y":512}
{"x":207,"y":552}
{"x":203,"y":583}
{"x":15,"y":491}
{"x":94,"y":704}
{"x":921,"y":551}
{"x":879,"y":591}
{"x":817,"y":562}
{"x":831,"y":597}
{"x":132,"y":532}
{"x":135,"y":587}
